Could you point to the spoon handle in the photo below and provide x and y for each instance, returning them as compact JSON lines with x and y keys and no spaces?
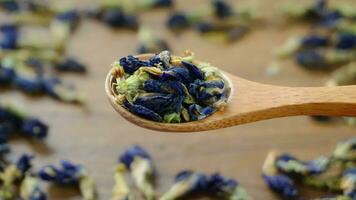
{"x":331,"y":101}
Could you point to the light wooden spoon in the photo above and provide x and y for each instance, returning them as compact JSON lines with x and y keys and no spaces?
{"x":250,"y":101}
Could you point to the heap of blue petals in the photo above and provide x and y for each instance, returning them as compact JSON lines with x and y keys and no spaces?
{"x":12,"y":121}
{"x":160,"y":90}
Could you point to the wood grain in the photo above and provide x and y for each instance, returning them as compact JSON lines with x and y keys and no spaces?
{"x":94,"y":136}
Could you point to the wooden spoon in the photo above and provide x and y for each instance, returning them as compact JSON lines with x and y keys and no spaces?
{"x":251,"y":101}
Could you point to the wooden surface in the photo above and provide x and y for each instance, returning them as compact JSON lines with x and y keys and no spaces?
{"x":94,"y":136}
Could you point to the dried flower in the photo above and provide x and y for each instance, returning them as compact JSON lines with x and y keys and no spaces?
{"x":279,"y":183}
{"x":121,"y":189}
{"x":139,"y":162}
{"x":225,"y":188}
{"x":71,"y":65}
{"x":30,"y":190}
{"x":9,"y":37}
{"x":159,"y":90}
{"x":13,"y":173}
{"x":186,"y":183}
{"x":70,"y":174}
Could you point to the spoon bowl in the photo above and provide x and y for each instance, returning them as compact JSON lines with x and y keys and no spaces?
{"x":251,"y":101}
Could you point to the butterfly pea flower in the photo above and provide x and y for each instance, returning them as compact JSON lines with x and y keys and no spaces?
{"x":346,"y":41}
{"x":17,"y":120}
{"x":186,"y":183}
{"x":71,"y":65}
{"x":9,"y":36}
{"x":225,"y":188}
{"x":149,"y":43}
{"x":140,"y":165}
{"x":277,"y":182}
{"x":295,"y":44}
{"x":197,"y":112}
{"x":30,"y":190}
{"x":13,"y":173}
{"x":121,"y":189}
{"x":5,"y":131}
{"x":321,"y":60}
{"x":178,"y":21}
{"x":118,"y":18}
{"x":288,"y":164}
{"x":7,"y":75}
{"x":222,"y":9}
{"x":70,"y":174}
{"x":142,"y":111}
{"x":10,"y":5}
{"x":55,"y":88}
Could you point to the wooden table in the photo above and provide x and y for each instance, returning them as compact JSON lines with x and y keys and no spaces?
{"x":95,"y":135}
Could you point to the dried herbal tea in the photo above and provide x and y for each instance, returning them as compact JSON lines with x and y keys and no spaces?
{"x":20,"y":172}
{"x":335,"y":173}
{"x":15,"y":121}
{"x":121,"y":189}
{"x":70,"y":174}
{"x":139,"y":163}
{"x":215,"y":185}
{"x":170,"y":89}
{"x":219,"y":19}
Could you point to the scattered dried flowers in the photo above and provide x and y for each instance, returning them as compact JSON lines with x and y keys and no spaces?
{"x":13,"y":120}
{"x":336,"y":173}
{"x":70,"y":174}
{"x":168,"y":88}
{"x":139,"y":163}
{"x":20,"y":172}
{"x":217,"y":19}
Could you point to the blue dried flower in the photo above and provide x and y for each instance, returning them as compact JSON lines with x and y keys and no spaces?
{"x":346,"y":41}
{"x":186,"y":183}
{"x":221,"y":186}
{"x":196,"y":112}
{"x":142,"y":111}
{"x":282,"y":185}
{"x":290,"y":165}
{"x":138,"y":161}
{"x":71,"y":65}
{"x":10,"y":5}
{"x":24,"y":163}
{"x":7,"y":75}
{"x":35,"y":128}
{"x":67,"y":173}
{"x":311,"y":60}
{"x":162,"y":3}
{"x":129,"y":155}
{"x":117,"y":18}
{"x":194,"y":71}
{"x":38,"y":194}
{"x":5,"y":130}
{"x":56,"y":89}
{"x":10,"y":36}
{"x":207,"y":92}
{"x":222,"y":9}
{"x":178,"y":21}
{"x":180,"y":74}
{"x":313,"y":41}
{"x":160,"y":103}
{"x":330,"y":19}
{"x":131,"y":64}
{"x":71,"y":17}
{"x":168,"y":87}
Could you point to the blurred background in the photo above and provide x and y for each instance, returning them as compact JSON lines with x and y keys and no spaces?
{"x":94,"y":134}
